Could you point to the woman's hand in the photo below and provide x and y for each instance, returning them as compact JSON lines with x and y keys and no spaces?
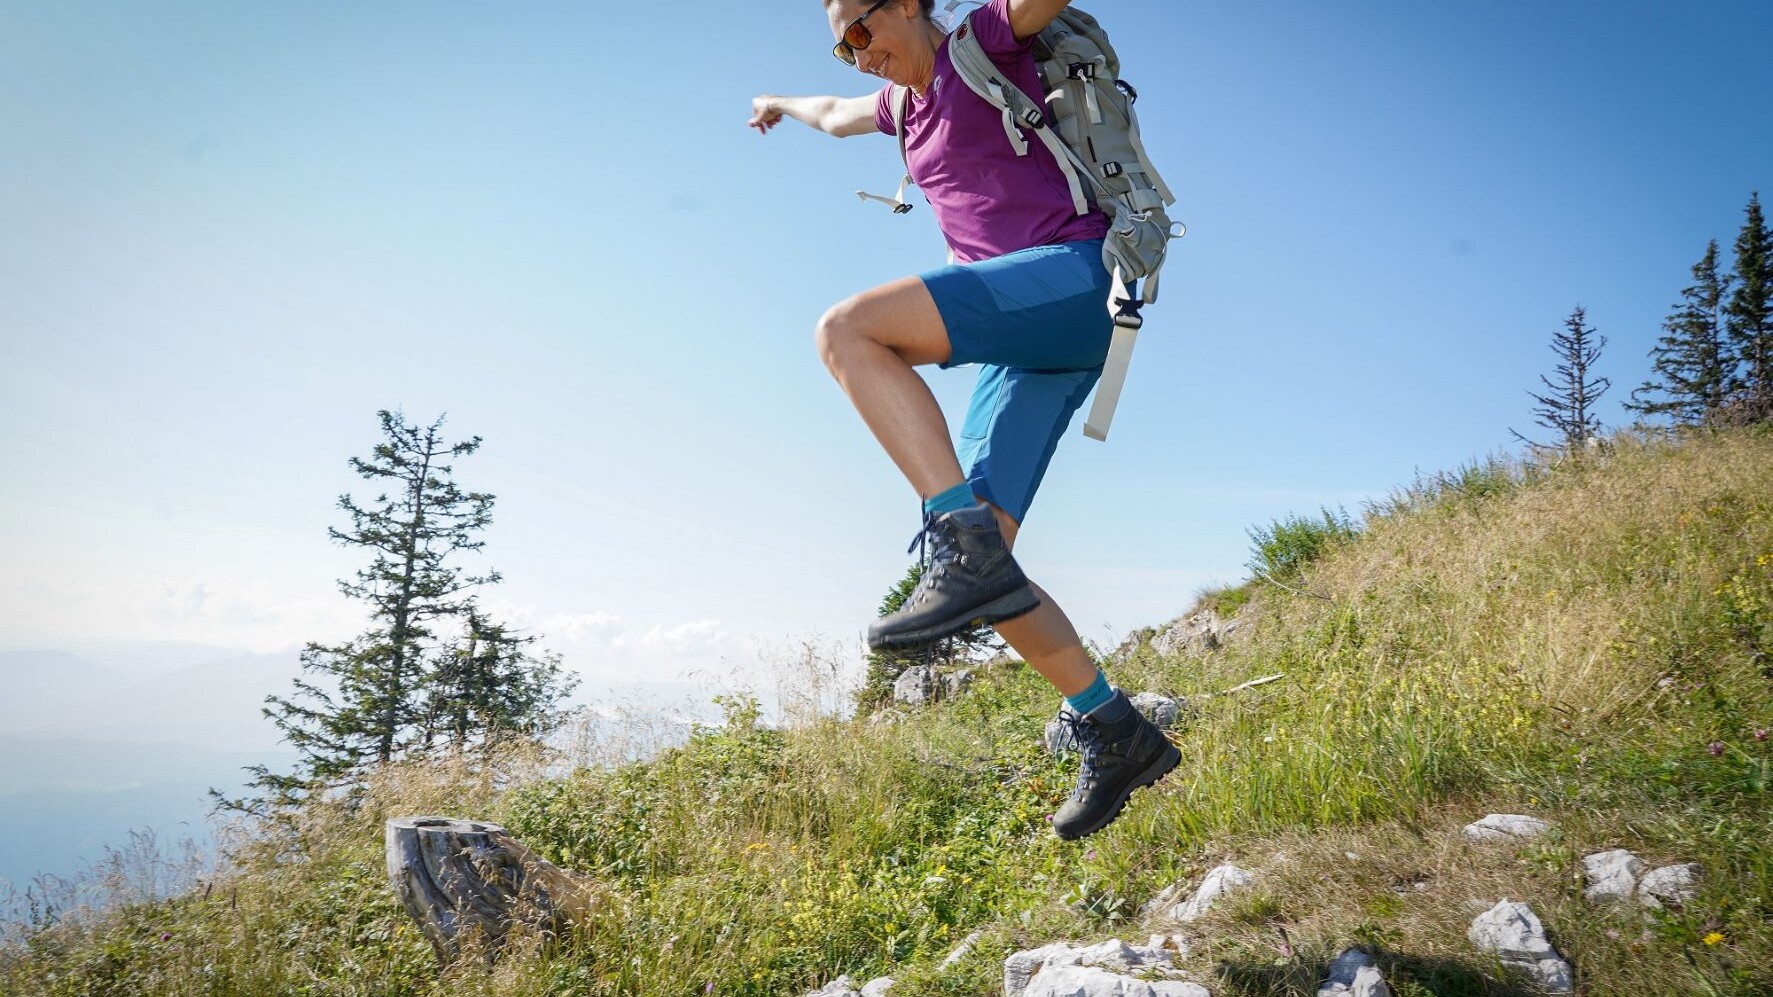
{"x":765,"y":113}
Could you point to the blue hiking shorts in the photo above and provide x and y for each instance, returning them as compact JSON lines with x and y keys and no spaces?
{"x":1037,"y":324}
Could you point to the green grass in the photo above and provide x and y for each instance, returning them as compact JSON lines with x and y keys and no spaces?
{"x":1568,"y":641}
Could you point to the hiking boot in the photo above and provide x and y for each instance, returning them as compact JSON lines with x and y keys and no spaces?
{"x":970,"y":579}
{"x":1118,"y":758}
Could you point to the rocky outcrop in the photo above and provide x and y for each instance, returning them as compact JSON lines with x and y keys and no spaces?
{"x":1220,"y":882}
{"x":1513,"y":933}
{"x":1195,"y":634}
{"x":1104,"y":970}
{"x":1618,"y":875}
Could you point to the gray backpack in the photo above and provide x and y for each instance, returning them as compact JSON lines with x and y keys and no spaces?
{"x":1087,"y":121}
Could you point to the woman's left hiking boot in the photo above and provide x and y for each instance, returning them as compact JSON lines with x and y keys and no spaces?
{"x":971,"y":579}
{"x":1119,"y":756}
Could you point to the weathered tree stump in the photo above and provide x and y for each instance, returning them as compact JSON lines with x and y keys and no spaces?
{"x":468,"y":884}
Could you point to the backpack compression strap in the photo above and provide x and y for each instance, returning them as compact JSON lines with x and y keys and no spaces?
{"x":1114,"y":368}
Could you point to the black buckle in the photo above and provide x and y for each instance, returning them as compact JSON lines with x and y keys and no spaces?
{"x":901,"y":208}
{"x":1112,"y":169}
{"x":1127,"y":88}
{"x":1127,"y":315}
{"x":1081,"y":71}
{"x":1033,"y":118}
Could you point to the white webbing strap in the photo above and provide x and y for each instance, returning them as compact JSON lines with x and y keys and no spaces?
{"x":897,"y":202}
{"x":1114,"y":369}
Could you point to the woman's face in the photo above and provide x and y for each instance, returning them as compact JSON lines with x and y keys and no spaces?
{"x":891,"y":51}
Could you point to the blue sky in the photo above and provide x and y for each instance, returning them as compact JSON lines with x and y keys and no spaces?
{"x":230,"y":233}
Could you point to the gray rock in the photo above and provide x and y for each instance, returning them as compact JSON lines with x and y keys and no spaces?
{"x":1195,"y":634}
{"x":840,"y":987}
{"x":1506,"y":827}
{"x":843,"y":986}
{"x":962,"y":950}
{"x":1513,"y":933}
{"x":1219,"y":882}
{"x":1135,"y":640}
{"x":1611,"y":875}
{"x":1354,"y":974}
{"x":1671,"y":884}
{"x":1088,"y":981}
{"x":1166,"y":899}
{"x":1039,"y":972}
{"x":916,"y":686}
{"x":956,"y":682}
{"x":1160,"y":710}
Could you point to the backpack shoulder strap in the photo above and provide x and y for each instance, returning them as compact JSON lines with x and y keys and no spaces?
{"x":897,"y":202}
{"x":982,"y":76}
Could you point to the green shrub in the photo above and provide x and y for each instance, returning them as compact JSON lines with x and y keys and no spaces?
{"x":1283,"y":548}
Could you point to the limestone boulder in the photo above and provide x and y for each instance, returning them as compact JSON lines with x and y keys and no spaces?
{"x":1513,"y":933}
{"x":1506,"y":827}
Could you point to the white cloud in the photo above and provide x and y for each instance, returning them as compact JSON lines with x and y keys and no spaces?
{"x":697,"y":634}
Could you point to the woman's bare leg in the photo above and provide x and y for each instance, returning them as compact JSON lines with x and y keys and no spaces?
{"x":870,"y":343}
{"x":1045,"y":637}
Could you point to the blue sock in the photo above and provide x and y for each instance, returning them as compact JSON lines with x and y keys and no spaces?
{"x":959,"y":497}
{"x":1097,"y":694}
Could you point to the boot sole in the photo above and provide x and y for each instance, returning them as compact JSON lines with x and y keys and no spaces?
{"x":1004,"y":607}
{"x":1167,"y":761}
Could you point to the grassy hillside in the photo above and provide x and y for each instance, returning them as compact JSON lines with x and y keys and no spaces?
{"x":1590,"y":643}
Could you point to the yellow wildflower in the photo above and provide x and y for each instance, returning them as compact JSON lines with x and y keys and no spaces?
{"x":1713,"y":938}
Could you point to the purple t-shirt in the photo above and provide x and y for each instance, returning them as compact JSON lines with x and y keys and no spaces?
{"x":988,"y":200}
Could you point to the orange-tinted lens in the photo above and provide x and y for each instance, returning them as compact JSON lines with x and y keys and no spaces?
{"x":857,"y":37}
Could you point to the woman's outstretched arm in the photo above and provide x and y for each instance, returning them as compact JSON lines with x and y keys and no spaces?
{"x":839,"y":116}
{"x":1030,"y":17}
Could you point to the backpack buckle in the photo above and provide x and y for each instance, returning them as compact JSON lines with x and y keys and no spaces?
{"x":1081,"y":71}
{"x":901,"y":207}
{"x":1127,"y":88}
{"x":1032,"y":117}
{"x":1112,"y":169}
{"x":1126,"y":314}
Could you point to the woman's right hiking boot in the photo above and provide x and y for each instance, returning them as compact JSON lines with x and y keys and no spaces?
{"x":971,"y":579}
{"x":1119,"y":756}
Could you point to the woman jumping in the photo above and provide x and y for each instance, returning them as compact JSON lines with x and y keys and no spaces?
{"x":1026,"y":299}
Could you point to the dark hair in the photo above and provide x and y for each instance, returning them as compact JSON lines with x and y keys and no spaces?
{"x":927,"y":6}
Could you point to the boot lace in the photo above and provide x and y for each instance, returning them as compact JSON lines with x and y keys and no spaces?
{"x":934,"y":553}
{"x":1088,"y":738}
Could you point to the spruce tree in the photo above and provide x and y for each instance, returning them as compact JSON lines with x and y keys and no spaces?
{"x":1749,"y":317}
{"x":378,"y":696}
{"x":1570,"y":408}
{"x":1692,"y":364}
{"x":487,"y":686}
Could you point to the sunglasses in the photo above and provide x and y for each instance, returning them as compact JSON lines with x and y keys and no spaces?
{"x":857,"y":36}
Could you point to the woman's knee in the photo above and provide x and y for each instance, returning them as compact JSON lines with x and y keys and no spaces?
{"x":836,"y":330}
